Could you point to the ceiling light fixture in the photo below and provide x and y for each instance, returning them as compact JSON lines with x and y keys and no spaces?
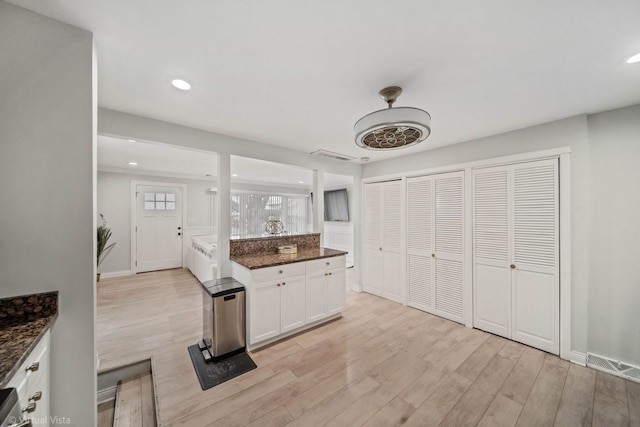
{"x":300,"y":182}
{"x":634,"y":59}
{"x":180,"y":84}
{"x":131,"y":140}
{"x":133,"y":164}
{"x":392,"y":128}
{"x":234,"y":174}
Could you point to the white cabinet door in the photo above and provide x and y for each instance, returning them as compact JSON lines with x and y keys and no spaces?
{"x":336,"y":291}
{"x":373,"y":222}
{"x":382,"y":237}
{"x":293,"y":303}
{"x":265,"y":311}
{"x":535,"y":275}
{"x":392,"y":222}
{"x":491,"y":272}
{"x":373,"y":219}
{"x":392,"y":276}
{"x":420,"y":243}
{"x":449,"y":245}
{"x":373,"y":271}
{"x":516,"y":267}
{"x":316,"y":296}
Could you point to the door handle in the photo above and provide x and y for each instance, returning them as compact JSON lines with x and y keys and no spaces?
{"x":179,"y":234}
{"x":433,"y":255}
{"x":179,"y":228}
{"x":513,"y":266}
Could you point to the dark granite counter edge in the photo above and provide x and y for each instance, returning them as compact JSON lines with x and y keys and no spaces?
{"x":284,"y":261}
{"x":261,"y":238}
{"x":9,"y":374}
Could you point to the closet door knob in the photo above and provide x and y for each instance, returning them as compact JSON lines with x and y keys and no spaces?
{"x":513,"y":266}
{"x":433,"y":255}
{"x":278,"y":284}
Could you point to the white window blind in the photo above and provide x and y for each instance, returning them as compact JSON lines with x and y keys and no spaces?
{"x":250,"y":211}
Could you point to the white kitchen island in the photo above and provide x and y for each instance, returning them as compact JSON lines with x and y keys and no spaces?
{"x":287,"y":294}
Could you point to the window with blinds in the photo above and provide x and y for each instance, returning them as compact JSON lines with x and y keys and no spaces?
{"x":250,"y":211}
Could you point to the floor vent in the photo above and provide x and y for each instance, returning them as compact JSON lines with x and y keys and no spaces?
{"x":332,"y":155}
{"x":613,"y":367}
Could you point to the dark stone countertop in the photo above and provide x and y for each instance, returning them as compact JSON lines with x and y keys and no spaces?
{"x":23,"y":322}
{"x":270,"y":259}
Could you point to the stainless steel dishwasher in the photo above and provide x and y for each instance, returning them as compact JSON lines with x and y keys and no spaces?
{"x":223,"y":302}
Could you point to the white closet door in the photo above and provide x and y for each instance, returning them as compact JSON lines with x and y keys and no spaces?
{"x":373,"y":216}
{"x":392,"y":223}
{"x":491,"y":243}
{"x":449,"y":245}
{"x":420,"y":243}
{"x":373,"y":221}
{"x":535,"y":267}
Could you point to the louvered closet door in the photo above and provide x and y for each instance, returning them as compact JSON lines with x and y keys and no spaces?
{"x":535,"y":267}
{"x":420,"y":243}
{"x":392,"y":222}
{"x":372,"y":274}
{"x":449,"y":245}
{"x":491,"y":243}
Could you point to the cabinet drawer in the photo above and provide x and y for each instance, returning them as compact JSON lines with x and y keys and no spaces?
{"x":277,"y":272}
{"x":26,"y":376}
{"x":326,"y":264}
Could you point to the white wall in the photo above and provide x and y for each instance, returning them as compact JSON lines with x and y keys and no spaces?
{"x":614,"y":288}
{"x":47,"y":146}
{"x":562,"y":133}
{"x":115,"y":123}
{"x":114,"y":202}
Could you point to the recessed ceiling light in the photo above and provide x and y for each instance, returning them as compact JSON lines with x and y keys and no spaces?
{"x":634,"y":59}
{"x":180,"y":84}
{"x":300,"y":182}
{"x":133,"y":164}
{"x":234,"y":174}
{"x":131,"y":140}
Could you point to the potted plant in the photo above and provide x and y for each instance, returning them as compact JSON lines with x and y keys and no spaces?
{"x":104,"y":234}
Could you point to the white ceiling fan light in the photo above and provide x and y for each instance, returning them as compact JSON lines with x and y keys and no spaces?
{"x":392,"y":128}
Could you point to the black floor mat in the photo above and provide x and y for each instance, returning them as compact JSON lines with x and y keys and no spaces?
{"x":210,"y":374}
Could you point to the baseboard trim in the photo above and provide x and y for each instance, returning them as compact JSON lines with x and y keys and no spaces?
{"x":578,"y":358}
{"x":116,"y":274}
{"x":356,"y":287}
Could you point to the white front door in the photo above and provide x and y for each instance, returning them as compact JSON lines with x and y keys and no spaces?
{"x":158,"y":228}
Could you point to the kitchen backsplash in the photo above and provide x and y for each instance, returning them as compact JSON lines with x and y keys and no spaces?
{"x":28,"y":307}
{"x":258,"y":245}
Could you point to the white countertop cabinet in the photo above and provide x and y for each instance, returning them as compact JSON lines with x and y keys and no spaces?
{"x":290,"y":298}
{"x":31,"y":381}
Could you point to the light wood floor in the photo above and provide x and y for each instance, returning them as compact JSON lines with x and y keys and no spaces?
{"x":382,"y":364}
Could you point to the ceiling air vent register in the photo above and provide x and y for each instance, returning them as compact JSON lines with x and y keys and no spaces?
{"x":392,"y":128}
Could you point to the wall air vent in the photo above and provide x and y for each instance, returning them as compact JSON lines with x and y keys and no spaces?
{"x":614,"y":367}
{"x":332,"y":155}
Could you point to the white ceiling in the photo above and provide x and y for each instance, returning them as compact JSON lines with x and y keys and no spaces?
{"x":114,"y":154}
{"x":299,"y":74}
